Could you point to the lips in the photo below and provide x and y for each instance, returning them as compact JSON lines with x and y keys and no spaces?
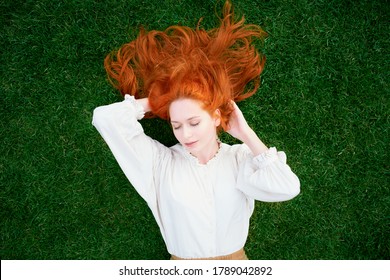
{"x":190,"y":144}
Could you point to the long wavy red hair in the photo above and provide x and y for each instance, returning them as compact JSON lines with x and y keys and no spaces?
{"x":213,"y":66}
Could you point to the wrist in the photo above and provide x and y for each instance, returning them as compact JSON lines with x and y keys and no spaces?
{"x":253,"y":142}
{"x":247,"y":134}
{"x":144,"y":102}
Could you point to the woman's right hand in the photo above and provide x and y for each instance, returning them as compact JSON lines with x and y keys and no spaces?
{"x":144,"y":102}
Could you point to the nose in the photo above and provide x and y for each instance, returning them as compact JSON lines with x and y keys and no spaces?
{"x":187,"y":132}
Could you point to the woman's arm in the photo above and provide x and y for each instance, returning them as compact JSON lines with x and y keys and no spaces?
{"x":265,"y":176}
{"x":136,"y":153}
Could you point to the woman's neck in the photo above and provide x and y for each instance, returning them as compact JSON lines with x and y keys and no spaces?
{"x":208,"y":153}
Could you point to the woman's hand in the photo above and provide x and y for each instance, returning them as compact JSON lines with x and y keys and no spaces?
{"x":239,"y":128}
{"x":144,"y":102}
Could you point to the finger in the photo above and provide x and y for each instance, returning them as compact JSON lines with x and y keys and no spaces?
{"x":234,"y":104}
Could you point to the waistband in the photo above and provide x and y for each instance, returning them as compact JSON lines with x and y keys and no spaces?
{"x":238,"y":255}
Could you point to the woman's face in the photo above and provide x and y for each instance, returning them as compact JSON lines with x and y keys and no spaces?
{"x":193,"y":126}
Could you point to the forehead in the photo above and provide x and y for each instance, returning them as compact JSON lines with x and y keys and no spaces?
{"x":183,"y":109}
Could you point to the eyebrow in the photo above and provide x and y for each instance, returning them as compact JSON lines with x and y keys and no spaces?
{"x":187,"y":119}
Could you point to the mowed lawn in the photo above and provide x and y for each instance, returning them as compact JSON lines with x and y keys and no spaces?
{"x":324,"y":100}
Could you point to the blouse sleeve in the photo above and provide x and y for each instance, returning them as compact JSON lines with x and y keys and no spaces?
{"x":267,"y":177}
{"x":137,"y":154}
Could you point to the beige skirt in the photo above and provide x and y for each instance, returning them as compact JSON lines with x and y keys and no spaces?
{"x":239,"y":255}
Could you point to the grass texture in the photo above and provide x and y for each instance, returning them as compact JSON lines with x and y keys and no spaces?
{"x":324,"y":100}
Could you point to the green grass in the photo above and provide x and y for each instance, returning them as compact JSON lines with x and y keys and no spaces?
{"x":324,"y":100}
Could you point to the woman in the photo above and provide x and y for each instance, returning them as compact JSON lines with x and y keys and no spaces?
{"x":201,"y":191}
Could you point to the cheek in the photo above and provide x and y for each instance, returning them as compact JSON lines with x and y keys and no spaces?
{"x":206,"y":130}
{"x":178,"y":135}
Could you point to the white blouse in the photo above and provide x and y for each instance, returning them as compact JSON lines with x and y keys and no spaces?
{"x":202,"y":210}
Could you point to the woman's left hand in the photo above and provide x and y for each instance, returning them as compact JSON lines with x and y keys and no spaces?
{"x":237,"y":126}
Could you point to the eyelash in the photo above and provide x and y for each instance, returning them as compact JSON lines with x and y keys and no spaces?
{"x":195,"y":124}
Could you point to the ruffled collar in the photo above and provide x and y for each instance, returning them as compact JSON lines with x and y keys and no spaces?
{"x":195,"y":160}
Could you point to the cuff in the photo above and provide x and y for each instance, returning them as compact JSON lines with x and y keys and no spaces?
{"x":139,"y":110}
{"x":268,"y":157}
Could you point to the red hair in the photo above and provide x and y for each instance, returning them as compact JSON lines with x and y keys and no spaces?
{"x":213,"y":66}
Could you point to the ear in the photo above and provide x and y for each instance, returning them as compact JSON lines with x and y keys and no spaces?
{"x":217,"y":117}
